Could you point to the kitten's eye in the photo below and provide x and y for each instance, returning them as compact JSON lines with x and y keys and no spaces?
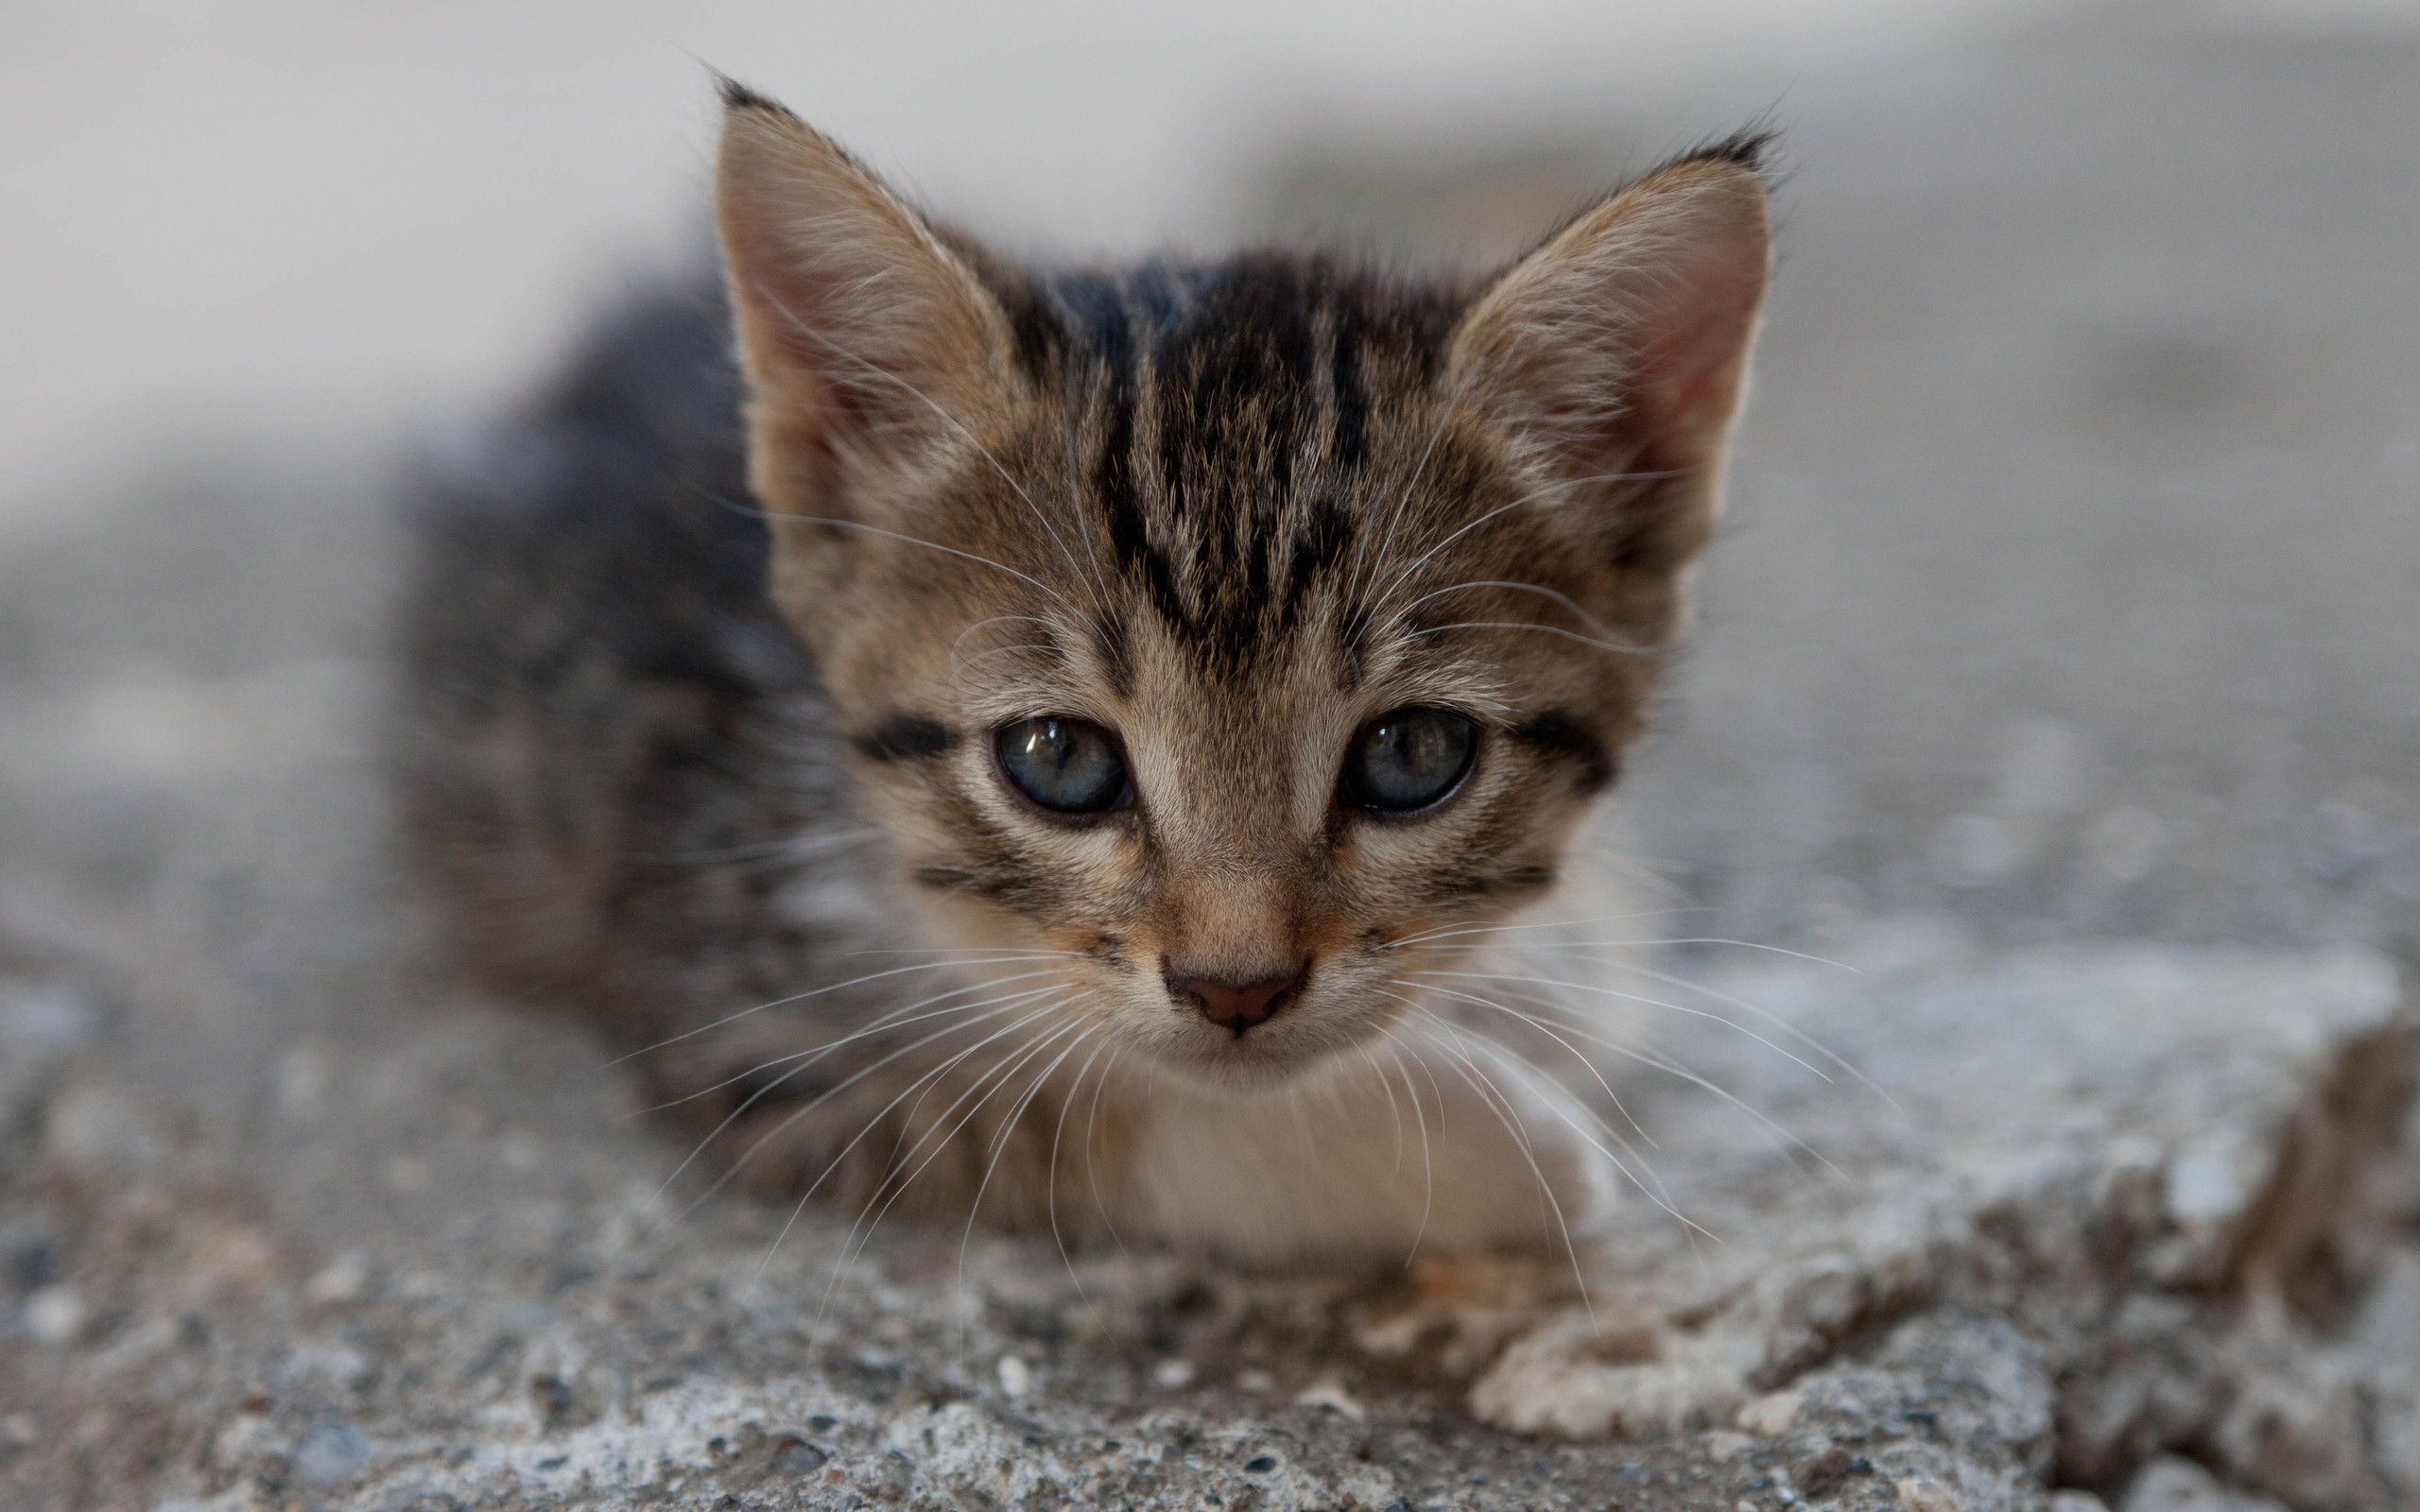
{"x":1407,"y":759}
{"x":1065,"y":764}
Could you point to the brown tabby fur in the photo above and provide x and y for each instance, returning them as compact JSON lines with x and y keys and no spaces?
{"x":1230,"y":511}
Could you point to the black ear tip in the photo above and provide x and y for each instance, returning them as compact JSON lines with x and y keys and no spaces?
{"x":738,"y":97}
{"x":1750,"y":148}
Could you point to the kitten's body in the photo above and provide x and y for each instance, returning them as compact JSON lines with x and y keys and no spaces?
{"x":1229,"y":513}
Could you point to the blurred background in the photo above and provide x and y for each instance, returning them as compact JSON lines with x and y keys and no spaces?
{"x":2072,"y":583}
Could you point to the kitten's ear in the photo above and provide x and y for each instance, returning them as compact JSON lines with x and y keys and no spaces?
{"x":866,"y":341}
{"x":1622,"y":343}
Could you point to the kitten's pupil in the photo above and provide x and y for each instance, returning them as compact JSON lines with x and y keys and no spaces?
{"x":1408,"y":759}
{"x":1066,"y":765}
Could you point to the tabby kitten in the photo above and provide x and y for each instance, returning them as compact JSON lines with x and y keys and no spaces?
{"x":1046,"y":744}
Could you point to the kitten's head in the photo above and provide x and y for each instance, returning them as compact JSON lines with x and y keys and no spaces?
{"x":1233,"y":626}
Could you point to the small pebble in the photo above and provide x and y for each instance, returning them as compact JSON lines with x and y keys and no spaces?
{"x":55,"y":1315}
{"x":1172,"y":1374}
{"x":1770,"y":1415}
{"x":1818,"y":1475}
{"x":1332,"y":1395}
{"x":1918,"y":1495}
{"x":331,"y":1453}
{"x":342,"y":1280}
{"x":520,"y":1317}
{"x":1017,"y":1377}
{"x":796,"y":1457}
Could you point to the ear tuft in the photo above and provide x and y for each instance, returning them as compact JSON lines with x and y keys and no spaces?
{"x":1745,"y":147}
{"x":738,"y":97}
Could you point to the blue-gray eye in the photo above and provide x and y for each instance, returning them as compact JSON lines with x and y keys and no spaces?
{"x":1407,"y":759}
{"x":1065,"y":764}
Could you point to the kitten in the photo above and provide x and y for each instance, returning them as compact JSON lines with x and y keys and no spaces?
{"x":1168,"y":675}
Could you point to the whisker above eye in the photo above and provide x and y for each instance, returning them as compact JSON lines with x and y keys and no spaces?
{"x":1447,"y":933}
{"x":1524,"y":625}
{"x":995,"y":619}
{"x":1560,"y":486}
{"x":1564,"y":599}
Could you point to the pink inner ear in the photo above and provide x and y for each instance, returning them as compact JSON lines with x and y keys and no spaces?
{"x":1627,"y":332}
{"x":1688,"y":372}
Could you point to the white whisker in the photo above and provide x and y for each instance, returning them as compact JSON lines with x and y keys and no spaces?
{"x":1633,"y":997}
{"x":800,"y":997}
{"x":1544,"y":629}
{"x":1426,"y":557}
{"x":1510,"y":1116}
{"x":888,"y":1021}
{"x":1009,"y":1004}
{"x":1791,"y":1144}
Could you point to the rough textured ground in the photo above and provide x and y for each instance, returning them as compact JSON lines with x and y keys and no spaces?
{"x":2058,"y":677}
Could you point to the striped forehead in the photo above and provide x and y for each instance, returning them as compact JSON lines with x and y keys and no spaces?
{"x":1228,"y":429}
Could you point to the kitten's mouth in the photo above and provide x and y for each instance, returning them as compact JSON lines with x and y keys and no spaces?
{"x":1253,"y":1063}
{"x":1263,"y":1058}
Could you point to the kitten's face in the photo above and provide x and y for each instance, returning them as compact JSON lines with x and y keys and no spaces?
{"x":1241,"y":632}
{"x":1261,"y":742}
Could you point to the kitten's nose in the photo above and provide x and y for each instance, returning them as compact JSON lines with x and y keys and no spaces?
{"x":1236,"y":1005}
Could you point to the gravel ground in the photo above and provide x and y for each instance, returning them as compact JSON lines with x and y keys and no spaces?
{"x":2057,"y":671}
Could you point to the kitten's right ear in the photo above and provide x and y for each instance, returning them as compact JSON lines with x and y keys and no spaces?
{"x":866,"y":341}
{"x":1622,"y":343}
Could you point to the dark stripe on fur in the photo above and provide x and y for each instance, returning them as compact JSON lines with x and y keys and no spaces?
{"x":1560,"y":735}
{"x":1230,"y":413}
{"x":905,"y":738}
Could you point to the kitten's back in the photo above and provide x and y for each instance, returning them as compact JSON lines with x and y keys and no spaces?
{"x":585,"y":632}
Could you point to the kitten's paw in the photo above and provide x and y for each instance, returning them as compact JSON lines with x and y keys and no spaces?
{"x":1453,"y":1315}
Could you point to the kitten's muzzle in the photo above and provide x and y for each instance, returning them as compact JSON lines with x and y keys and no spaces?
{"x":1236,"y":1006}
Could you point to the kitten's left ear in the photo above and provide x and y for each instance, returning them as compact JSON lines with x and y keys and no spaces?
{"x":866,"y":340}
{"x":1621,"y":345}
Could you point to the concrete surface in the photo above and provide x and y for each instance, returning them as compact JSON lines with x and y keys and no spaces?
{"x":2057,"y":675}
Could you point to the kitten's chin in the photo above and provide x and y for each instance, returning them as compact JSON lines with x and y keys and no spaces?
{"x":1249,"y":1067}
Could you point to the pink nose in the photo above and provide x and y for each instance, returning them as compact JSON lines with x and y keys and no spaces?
{"x":1232,"y":1005}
